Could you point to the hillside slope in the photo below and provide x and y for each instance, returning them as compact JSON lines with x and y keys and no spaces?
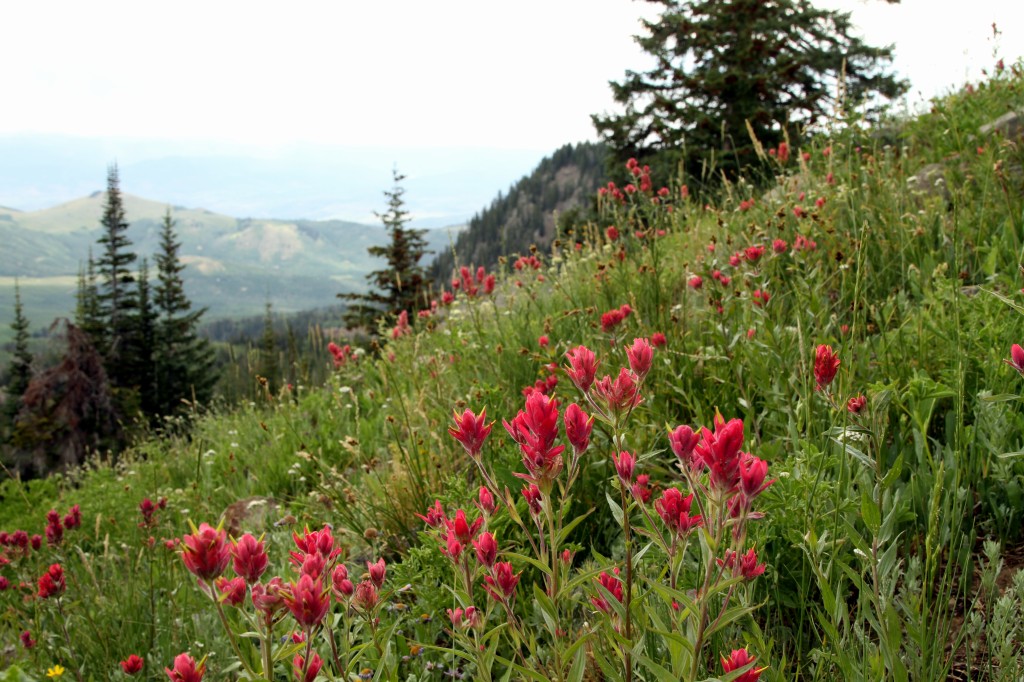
{"x":526,"y":215}
{"x":846,"y":337}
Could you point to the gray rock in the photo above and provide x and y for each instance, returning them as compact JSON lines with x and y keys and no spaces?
{"x":930,"y":181}
{"x":1010,"y":125}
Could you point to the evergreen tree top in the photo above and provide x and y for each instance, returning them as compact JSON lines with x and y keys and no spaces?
{"x":781,"y":65}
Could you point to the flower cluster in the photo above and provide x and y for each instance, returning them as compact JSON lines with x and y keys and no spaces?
{"x":545,"y":385}
{"x":133,"y":664}
{"x":641,"y":173}
{"x":826,"y":364}
{"x":471,"y":431}
{"x":343,"y":355}
{"x":471,"y":285}
{"x":614,"y":317}
{"x":402,"y":327}
{"x":55,"y":525}
{"x":524,"y":262}
{"x":206,"y":552}
{"x":781,"y":153}
{"x":186,"y":669}
{"x":148,"y":509}
{"x":322,"y":578}
{"x":19,"y":543}
{"x":739,"y":659}
{"x":51,"y":583}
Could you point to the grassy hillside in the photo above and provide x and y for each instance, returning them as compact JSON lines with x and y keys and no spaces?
{"x":858,"y":540}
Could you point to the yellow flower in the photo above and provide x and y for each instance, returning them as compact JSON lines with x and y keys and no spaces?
{"x":55,"y":671}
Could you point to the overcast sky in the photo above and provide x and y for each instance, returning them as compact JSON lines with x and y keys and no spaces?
{"x":514,"y":74}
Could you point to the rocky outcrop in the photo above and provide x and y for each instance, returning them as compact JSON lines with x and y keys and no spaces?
{"x":1010,"y":125}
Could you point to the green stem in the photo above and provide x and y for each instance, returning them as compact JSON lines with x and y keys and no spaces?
{"x":627,"y":596}
{"x":67,"y":637}
{"x":229,"y":631}
{"x":309,"y":650}
{"x":267,"y":645}
{"x":334,"y":648}
{"x":703,"y":594}
{"x":553,"y":584}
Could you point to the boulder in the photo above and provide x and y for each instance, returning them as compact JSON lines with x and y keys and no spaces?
{"x":930,"y":181}
{"x":1010,"y":125}
{"x":250,"y":515}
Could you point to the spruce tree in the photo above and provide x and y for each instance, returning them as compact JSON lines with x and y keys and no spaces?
{"x":184,"y":360}
{"x":269,"y":367}
{"x":118,"y":303}
{"x":403,"y":283}
{"x":20,"y":369}
{"x":776,"y":64}
{"x":141,"y":341}
{"x":87,"y":305}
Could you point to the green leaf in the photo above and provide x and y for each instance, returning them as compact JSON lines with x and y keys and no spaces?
{"x":639,"y":555}
{"x":579,"y":666}
{"x":668,"y":595}
{"x":564,"y":533}
{"x":528,"y":673}
{"x":870,"y":512}
{"x":659,"y":671}
{"x":543,"y":568}
{"x":546,"y":606}
{"x":15,"y":674}
{"x":1001,"y":398}
{"x":614,"y":506}
{"x":577,"y":646}
{"x":840,"y":436}
{"x":1005,"y":300}
{"x":893,"y":474}
{"x":583,"y":577}
{"x":887,"y":561}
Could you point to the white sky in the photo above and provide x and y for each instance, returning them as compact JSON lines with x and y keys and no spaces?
{"x":520,"y":73}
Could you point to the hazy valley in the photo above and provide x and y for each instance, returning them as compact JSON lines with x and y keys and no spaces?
{"x":235,"y":266}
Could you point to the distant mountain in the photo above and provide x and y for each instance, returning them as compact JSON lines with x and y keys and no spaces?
{"x":566,"y":180}
{"x":234,"y":265}
{"x":302,"y":180}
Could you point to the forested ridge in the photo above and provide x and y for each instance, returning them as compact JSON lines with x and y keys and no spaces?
{"x":561,"y":185}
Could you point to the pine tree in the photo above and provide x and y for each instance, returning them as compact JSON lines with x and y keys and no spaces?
{"x":87,"y":307}
{"x":20,"y":369}
{"x":403,"y":283}
{"x":720,"y":64}
{"x":142,"y":342}
{"x":118,"y":304}
{"x":184,"y":360}
{"x":269,"y":367}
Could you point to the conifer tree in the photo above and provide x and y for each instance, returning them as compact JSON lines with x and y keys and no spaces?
{"x":87,"y":304}
{"x":118,"y":303}
{"x":20,"y":369}
{"x":776,"y":64}
{"x":403,"y":283}
{"x":269,"y":368}
{"x":183,"y":360}
{"x":142,"y":342}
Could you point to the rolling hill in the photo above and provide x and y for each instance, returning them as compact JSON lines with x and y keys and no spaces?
{"x":234,"y":265}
